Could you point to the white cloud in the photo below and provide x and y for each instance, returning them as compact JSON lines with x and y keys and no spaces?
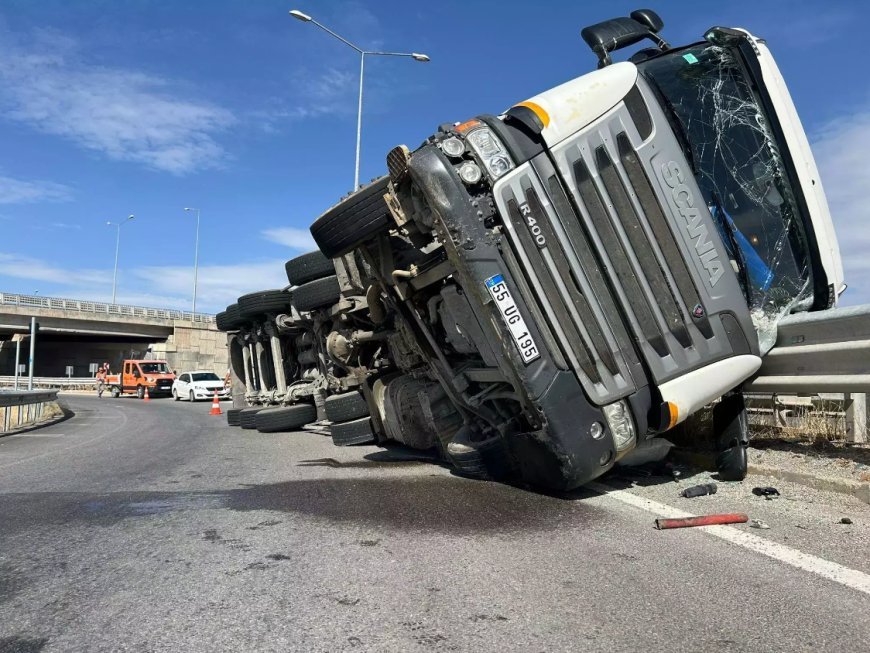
{"x":25,"y":267}
{"x":124,"y":114}
{"x":291,"y":237}
{"x":154,"y":287}
{"x":19,"y":191}
{"x":217,"y":285}
{"x":842,"y":151}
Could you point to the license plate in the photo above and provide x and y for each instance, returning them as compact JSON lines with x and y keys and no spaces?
{"x":511,"y":314}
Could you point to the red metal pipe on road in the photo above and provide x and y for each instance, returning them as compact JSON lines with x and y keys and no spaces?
{"x":703,"y":520}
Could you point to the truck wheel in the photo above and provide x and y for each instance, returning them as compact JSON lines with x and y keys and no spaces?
{"x":486,"y":460}
{"x":140,"y":392}
{"x":248,"y":417}
{"x":345,"y":407}
{"x":353,"y":220}
{"x":230,"y":319}
{"x":731,"y":432}
{"x":264,"y":301}
{"x":116,"y":392}
{"x":317,"y":293}
{"x":308,"y":267}
{"x":358,"y":431}
{"x":233,"y":416}
{"x":285,"y":418}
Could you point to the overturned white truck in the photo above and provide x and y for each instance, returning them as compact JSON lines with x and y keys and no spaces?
{"x":534,"y":294}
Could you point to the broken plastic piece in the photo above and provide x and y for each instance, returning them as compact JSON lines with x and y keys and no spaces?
{"x":766,"y":492}
{"x":757,"y":523}
{"x":699,"y":490}
{"x":703,"y":520}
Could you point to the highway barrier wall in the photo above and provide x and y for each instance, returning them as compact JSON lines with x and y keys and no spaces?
{"x":22,"y":408}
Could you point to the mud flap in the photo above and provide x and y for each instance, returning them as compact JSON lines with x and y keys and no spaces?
{"x":731,"y":433}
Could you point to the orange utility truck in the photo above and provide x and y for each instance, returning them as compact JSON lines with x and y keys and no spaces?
{"x":137,"y":375}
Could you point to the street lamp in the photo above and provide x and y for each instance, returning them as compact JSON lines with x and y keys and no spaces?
{"x":117,"y":249}
{"x":416,"y":56}
{"x":195,"y":256}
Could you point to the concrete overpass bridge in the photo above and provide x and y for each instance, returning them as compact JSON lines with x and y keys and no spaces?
{"x":77,"y":333}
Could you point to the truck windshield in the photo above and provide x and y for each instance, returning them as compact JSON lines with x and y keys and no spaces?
{"x":154,"y":368}
{"x":737,"y":163}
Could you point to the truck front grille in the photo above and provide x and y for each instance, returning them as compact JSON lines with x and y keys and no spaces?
{"x":608,"y":271}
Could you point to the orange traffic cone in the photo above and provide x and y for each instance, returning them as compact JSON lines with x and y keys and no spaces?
{"x":215,"y":405}
{"x":146,"y":397}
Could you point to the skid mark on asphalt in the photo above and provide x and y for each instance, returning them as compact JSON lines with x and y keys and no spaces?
{"x":846,"y":576}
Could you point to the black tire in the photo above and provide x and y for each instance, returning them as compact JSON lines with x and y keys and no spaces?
{"x":264,"y":301}
{"x":230,"y":319}
{"x":358,"y":431}
{"x":308,"y":267}
{"x":350,"y":405}
{"x":731,"y":433}
{"x":285,"y":418}
{"x":175,"y":395}
{"x":140,"y":392}
{"x":317,"y":293}
{"x":248,"y":417}
{"x":353,"y":220}
{"x":487,"y":461}
{"x":233,"y":416}
{"x":116,"y":392}
{"x":192,"y":397}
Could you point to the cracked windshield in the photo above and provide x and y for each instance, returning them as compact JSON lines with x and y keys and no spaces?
{"x":740,"y":171}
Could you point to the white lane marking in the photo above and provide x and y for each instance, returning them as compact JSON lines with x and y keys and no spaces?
{"x":852,"y":578}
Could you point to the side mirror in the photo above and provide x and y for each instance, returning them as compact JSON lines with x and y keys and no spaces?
{"x":649,"y":19}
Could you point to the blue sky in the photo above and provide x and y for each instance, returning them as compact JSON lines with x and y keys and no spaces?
{"x":114,"y":107}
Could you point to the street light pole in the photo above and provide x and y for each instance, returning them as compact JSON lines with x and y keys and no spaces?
{"x":117,"y":249}
{"x":416,"y":56}
{"x":195,"y":257}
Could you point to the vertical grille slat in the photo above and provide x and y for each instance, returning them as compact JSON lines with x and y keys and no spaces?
{"x":598,"y":214}
{"x":661,"y":230}
{"x":627,"y":216}
{"x":579,"y":243}
{"x":581,"y":305}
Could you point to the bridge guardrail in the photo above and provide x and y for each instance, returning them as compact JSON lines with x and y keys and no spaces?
{"x":21,"y":407}
{"x":83,"y":306}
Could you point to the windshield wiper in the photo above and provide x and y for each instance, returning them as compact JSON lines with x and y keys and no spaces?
{"x":729,"y":231}
{"x":675,"y":122}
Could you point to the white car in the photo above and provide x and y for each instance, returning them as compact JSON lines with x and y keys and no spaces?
{"x":198,"y":384}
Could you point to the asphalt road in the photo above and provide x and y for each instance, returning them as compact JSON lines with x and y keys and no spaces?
{"x":155,"y":527}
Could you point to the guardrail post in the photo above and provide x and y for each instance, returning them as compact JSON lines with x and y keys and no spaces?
{"x":856,"y":416}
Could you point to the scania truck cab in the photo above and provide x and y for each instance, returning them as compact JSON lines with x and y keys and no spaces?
{"x":584,"y":271}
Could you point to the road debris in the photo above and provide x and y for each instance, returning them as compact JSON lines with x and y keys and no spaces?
{"x":845,"y":520}
{"x":699,"y":490}
{"x":757,"y":523}
{"x":703,"y":520}
{"x":766,"y":492}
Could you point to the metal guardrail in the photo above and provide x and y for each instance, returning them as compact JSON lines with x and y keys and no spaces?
{"x":57,"y":303}
{"x":823,"y":351}
{"x":59,"y":382}
{"x":21,"y":407}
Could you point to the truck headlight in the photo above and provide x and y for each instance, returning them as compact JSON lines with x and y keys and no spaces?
{"x":490,"y":150}
{"x":621,"y":423}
